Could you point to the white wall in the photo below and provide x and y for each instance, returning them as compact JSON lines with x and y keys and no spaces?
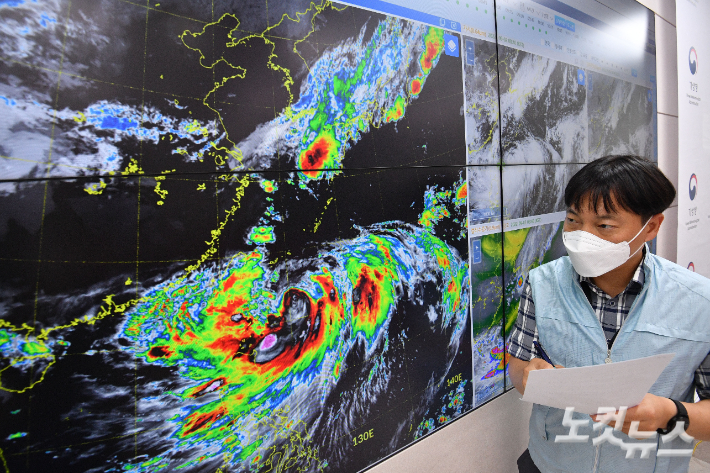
{"x":491,"y":438}
{"x":667,"y":83}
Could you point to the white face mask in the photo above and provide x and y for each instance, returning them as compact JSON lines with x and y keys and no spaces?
{"x":592,"y":256}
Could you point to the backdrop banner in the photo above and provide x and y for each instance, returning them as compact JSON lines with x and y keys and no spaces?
{"x":693,"y":136}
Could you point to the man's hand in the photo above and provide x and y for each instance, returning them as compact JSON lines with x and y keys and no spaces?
{"x":654,"y":412}
{"x":519,"y":370}
{"x":536,"y":364}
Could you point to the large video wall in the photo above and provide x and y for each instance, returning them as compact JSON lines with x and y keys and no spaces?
{"x":284,"y":236}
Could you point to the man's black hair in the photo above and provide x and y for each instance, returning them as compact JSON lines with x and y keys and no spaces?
{"x":634,"y":183}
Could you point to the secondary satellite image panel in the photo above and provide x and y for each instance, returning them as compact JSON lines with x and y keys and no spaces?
{"x":620,"y":117}
{"x":487,"y":316}
{"x":481,"y":107}
{"x":535,"y":189}
{"x":486,"y":260}
{"x":535,"y":206}
{"x":543,"y":109}
{"x":530,"y":248}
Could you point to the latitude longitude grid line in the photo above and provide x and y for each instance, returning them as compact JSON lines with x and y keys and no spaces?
{"x":144,"y":90}
{"x":278,"y":155}
{"x":221,"y":266}
{"x":390,"y":412}
{"x":90,"y":442}
{"x":441,"y":118}
{"x":147,"y":6}
{"x":437,"y":101}
{"x":221,"y":177}
{"x":401,"y":167}
{"x":384,"y":413}
{"x":413,"y":103}
{"x":41,"y":227}
{"x":119,"y":174}
{"x":116,"y":84}
{"x":131,"y":87}
{"x":395,"y":409}
{"x":275,"y":175}
{"x":413,"y":336}
{"x":216,"y":184}
{"x":157,"y":10}
{"x":138,"y":222}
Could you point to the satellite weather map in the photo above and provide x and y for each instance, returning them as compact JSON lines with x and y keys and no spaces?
{"x":270,"y":236}
{"x":620,"y":118}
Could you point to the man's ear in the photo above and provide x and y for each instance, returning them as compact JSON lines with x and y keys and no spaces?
{"x":654,"y":224}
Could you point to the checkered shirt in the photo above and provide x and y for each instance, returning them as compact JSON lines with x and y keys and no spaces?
{"x":611,"y":312}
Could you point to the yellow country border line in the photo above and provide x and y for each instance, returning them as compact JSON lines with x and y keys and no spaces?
{"x":313,"y":28}
{"x":8,"y":325}
{"x":366,"y":117}
{"x":112,"y":308}
{"x":212,"y":244}
{"x":219,"y":160}
{"x":109,"y":307}
{"x":320,"y":218}
{"x":489,"y":138}
{"x":4,"y":463}
{"x":196,"y":20}
{"x":241,"y":71}
{"x":14,"y":361}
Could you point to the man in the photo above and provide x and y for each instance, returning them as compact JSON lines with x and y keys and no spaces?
{"x":612,"y":300}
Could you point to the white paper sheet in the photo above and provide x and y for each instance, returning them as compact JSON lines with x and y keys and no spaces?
{"x":588,"y":388}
